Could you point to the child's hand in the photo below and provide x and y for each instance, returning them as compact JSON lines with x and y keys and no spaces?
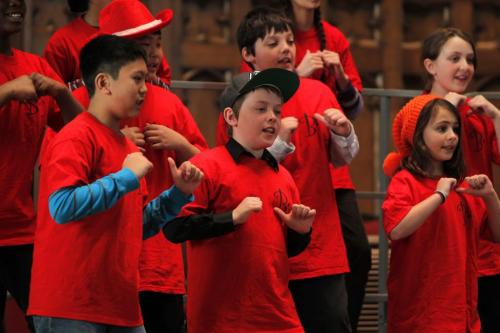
{"x":454,"y":98}
{"x":332,"y":60}
{"x":336,"y":121}
{"x":299,"y":219}
{"x":288,"y":126}
{"x":187,"y":177}
{"x":481,"y":105}
{"x":138,"y":164}
{"x":135,"y":135}
{"x":46,"y":86}
{"x":445,"y":185}
{"x":245,"y":208}
{"x":22,"y":89}
{"x":310,"y":63}
{"x":479,"y":185}
{"x":162,"y":137}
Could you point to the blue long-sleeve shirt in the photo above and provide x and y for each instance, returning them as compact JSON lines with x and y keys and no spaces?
{"x":77,"y":202}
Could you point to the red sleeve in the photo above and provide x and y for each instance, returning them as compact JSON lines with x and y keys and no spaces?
{"x":221,"y":136}
{"x":245,"y":67}
{"x":56,"y":55}
{"x":492,"y":137}
{"x":398,"y":202}
{"x":67,"y":165}
{"x":82,"y":96}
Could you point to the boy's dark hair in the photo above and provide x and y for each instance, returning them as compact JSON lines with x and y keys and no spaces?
{"x":433,"y":44}
{"x":257,"y":24}
{"x":418,"y":159}
{"x":78,"y":6}
{"x":107,"y":54}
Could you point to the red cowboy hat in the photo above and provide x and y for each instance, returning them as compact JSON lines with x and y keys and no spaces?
{"x":131,"y":18}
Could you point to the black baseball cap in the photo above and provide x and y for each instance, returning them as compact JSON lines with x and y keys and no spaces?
{"x":285,"y":81}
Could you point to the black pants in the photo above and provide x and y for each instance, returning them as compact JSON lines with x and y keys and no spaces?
{"x":162,"y":313}
{"x":489,"y":303}
{"x":15,"y":274}
{"x":358,"y":252}
{"x":322,"y":304}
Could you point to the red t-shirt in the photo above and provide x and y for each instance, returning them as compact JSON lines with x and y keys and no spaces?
{"x":238,"y":282}
{"x":21,"y":133}
{"x":310,"y":168}
{"x":480,"y":147}
{"x":432,"y":284}
{"x":161,"y":264}
{"x":88,"y":269}
{"x":63,"y":48}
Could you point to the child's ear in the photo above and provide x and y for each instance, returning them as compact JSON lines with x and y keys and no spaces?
{"x":102,"y":83}
{"x":230,"y":117}
{"x":429,"y":66}
{"x":247,"y":56}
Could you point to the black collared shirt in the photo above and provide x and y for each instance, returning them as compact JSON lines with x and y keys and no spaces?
{"x":209,"y":225}
{"x":235,"y":149}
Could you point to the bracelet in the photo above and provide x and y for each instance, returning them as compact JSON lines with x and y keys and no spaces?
{"x":442,"y":195}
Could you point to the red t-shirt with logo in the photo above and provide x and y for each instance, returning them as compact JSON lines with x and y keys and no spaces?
{"x":21,"y":133}
{"x":238,"y":282}
{"x":88,"y":269}
{"x":310,"y":168}
{"x":432,"y":284}
{"x":161,"y":264}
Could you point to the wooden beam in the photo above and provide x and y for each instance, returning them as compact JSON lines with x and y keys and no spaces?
{"x":391,"y":39}
{"x":462,"y":14}
{"x":200,"y":55}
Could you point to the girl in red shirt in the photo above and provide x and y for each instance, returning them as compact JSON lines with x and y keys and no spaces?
{"x":450,"y":59}
{"x":434,"y":214}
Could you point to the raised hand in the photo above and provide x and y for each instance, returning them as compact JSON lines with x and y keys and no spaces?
{"x":135,"y":135}
{"x":46,"y":86}
{"x":21,"y":89}
{"x":479,"y":185}
{"x":138,"y":164}
{"x":479,"y":104}
{"x":336,"y":121}
{"x":332,"y":60}
{"x":299,"y":219}
{"x":288,"y":126}
{"x":445,"y":185}
{"x":246,"y":207}
{"x":162,"y":137}
{"x":455,"y":99}
{"x":310,"y":63}
{"x":187,"y":177}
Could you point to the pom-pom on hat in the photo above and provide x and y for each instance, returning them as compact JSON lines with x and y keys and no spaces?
{"x":403,"y":130}
{"x":131,"y":18}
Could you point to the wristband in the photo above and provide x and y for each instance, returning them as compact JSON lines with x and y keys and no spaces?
{"x":442,"y":195}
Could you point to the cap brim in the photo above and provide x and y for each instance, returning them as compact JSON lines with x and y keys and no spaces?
{"x":287,"y":82}
{"x":162,"y":19}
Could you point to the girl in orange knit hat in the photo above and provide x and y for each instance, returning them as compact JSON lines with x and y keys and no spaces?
{"x":449,"y":57}
{"x":433,"y":223}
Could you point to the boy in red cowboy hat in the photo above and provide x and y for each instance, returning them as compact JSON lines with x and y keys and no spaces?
{"x":29,"y":91}
{"x":164,"y":128}
{"x":93,"y":213}
{"x":64,"y":46}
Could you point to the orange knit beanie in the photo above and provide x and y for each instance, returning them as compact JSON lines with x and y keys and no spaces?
{"x":403,"y":129}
